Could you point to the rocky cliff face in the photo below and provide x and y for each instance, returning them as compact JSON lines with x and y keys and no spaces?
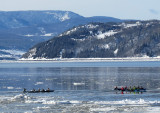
{"x":127,"y":39}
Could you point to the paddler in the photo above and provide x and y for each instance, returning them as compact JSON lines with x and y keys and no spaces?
{"x":33,"y":90}
{"x":39,"y":90}
{"x":116,"y":88}
{"x":122,"y":89}
{"x":43,"y":90}
{"x":48,"y":90}
{"x":24,"y":90}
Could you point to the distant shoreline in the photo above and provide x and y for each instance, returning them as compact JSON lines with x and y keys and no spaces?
{"x":128,"y":59}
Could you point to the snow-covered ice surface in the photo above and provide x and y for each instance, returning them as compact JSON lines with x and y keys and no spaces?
{"x":61,"y":101}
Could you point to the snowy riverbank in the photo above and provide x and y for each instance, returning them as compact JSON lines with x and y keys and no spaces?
{"x":128,"y":59}
{"x":95,"y":59}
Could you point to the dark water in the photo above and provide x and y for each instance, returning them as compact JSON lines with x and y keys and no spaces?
{"x":79,"y":86}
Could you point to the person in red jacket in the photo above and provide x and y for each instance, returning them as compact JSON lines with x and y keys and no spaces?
{"x":122,"y":89}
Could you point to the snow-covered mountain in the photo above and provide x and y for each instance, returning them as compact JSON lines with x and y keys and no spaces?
{"x":17,"y":19}
{"x":102,"y":40}
{"x":20,"y":30}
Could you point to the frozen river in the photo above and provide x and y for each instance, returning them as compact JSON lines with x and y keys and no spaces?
{"x":79,"y":86}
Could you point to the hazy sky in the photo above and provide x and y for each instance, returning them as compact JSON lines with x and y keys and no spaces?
{"x":123,"y":9}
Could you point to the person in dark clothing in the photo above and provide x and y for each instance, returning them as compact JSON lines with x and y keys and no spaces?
{"x":43,"y":90}
{"x":48,"y":89}
{"x":24,"y":90}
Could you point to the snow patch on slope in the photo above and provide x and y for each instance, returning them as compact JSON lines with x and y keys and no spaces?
{"x":29,"y":35}
{"x":61,"y":17}
{"x":130,"y":25}
{"x":32,"y":52}
{"x":65,"y":17}
{"x":69,"y":32}
{"x":47,"y":34}
{"x":78,"y":39}
{"x":105,"y":46}
{"x":5,"y":56}
{"x":108,"y":33}
{"x":116,"y":51}
{"x":15,"y":54}
{"x":91,"y":26}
